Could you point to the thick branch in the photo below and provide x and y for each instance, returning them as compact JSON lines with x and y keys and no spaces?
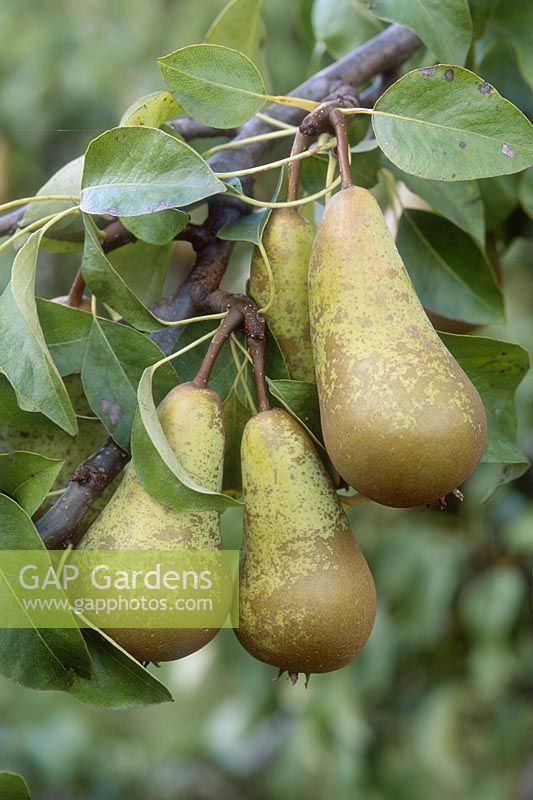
{"x":385,"y":52}
{"x":193,"y":129}
{"x":9,"y":222}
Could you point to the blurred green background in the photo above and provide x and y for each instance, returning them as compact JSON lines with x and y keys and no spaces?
{"x":439,"y":704}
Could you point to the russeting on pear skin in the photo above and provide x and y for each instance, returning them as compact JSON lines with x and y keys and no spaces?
{"x":288,"y":239}
{"x":402,"y":422}
{"x":192,"y":420}
{"x":307,"y":599}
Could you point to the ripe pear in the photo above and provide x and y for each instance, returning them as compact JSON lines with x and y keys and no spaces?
{"x":402,"y":422}
{"x":288,"y":239}
{"x":58,"y":444}
{"x":193,"y":423}
{"x":307,"y":599}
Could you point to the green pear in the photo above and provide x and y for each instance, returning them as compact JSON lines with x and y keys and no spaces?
{"x":307,"y":600}
{"x":192,"y":420}
{"x":288,"y":239}
{"x":402,"y":422}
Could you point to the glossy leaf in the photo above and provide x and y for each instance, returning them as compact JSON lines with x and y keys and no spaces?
{"x":66,"y":181}
{"x":526,"y":192}
{"x":301,"y":399}
{"x":239,"y":26}
{"x":37,"y":659}
{"x":342,"y":25}
{"x":115,"y":359}
{"x":458,"y":201}
{"x":27,"y":477}
{"x":214,"y":84}
{"x":119,"y":681}
{"x":445,"y":28}
{"x":451,"y":275}
{"x":496,"y":369}
{"x":500,"y":198}
{"x":236,"y":415}
{"x":24,"y":356}
{"x":445,"y":123}
{"x":107,"y":284}
{"x":13,"y":787}
{"x":156,"y":464}
{"x":65,"y":331}
{"x":364,"y":168}
{"x":152,"y":110}
{"x":187,"y":365}
{"x":160,"y":228}
{"x":512,"y":21}
{"x":143,"y":267}
{"x":136,"y":171}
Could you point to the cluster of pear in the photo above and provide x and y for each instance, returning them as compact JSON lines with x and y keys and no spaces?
{"x":402,"y":424}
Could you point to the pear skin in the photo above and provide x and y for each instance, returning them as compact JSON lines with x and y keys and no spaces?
{"x":402,"y":422}
{"x":192,"y":420}
{"x":307,"y":600}
{"x":288,"y":239}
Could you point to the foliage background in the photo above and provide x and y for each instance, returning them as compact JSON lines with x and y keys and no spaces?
{"x":440,"y":702}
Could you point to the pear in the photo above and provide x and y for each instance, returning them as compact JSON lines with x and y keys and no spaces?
{"x":307,"y":600}
{"x":192,"y":420}
{"x":402,"y":422}
{"x":288,"y":239}
{"x":56,"y":443}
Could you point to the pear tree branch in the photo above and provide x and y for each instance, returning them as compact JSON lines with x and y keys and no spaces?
{"x":381,"y":55}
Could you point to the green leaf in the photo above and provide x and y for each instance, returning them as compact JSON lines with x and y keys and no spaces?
{"x":38,"y":659}
{"x":513,"y":22}
{"x":246,"y":229}
{"x":250,"y":227}
{"x":445,"y":28}
{"x":342,"y":25}
{"x":108,"y":286}
{"x":500,"y":67}
{"x":480,"y":11}
{"x":115,"y":360}
{"x":451,"y":275}
{"x":13,"y":787}
{"x":136,"y":171}
{"x":301,"y":399}
{"x":143,"y":267}
{"x":160,"y":228}
{"x":156,"y":464}
{"x":188,"y":364}
{"x":11,"y":414}
{"x":460,"y":201}
{"x":151,"y":110}
{"x":364,"y":168}
{"x":214,"y":84}
{"x":27,"y":477}
{"x":24,"y":356}
{"x":239,"y":26}
{"x":66,"y":181}
{"x":236,"y":415}
{"x":526,"y":192}
{"x":65,"y":331}
{"x":444,"y":123}
{"x":118,"y":681}
{"x":496,"y":369}
{"x":500,"y":198}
